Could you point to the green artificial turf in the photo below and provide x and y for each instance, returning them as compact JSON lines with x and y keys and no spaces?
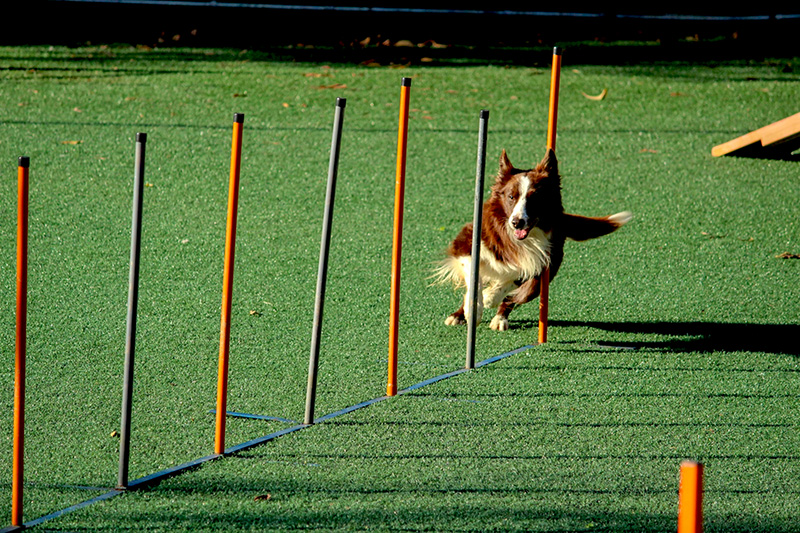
{"x":674,"y":338}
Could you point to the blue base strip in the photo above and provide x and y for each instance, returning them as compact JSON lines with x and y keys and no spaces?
{"x":75,"y":507}
{"x":191,"y":465}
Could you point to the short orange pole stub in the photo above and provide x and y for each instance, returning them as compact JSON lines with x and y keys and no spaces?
{"x":690,"y":505}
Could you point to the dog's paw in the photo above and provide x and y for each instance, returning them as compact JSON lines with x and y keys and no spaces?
{"x":499,"y":323}
{"x":455,"y":320}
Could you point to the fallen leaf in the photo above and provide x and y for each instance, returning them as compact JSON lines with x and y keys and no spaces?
{"x":115,"y":433}
{"x":71,"y":142}
{"x":240,"y":95}
{"x":263,"y":498}
{"x":255,"y":313}
{"x":598,"y":97}
{"x":334,"y":86}
{"x":787,"y":255}
{"x":647,"y":151}
{"x":77,"y":109}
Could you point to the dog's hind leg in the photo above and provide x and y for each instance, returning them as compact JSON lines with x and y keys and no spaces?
{"x":526,"y":292}
{"x":456,"y":319}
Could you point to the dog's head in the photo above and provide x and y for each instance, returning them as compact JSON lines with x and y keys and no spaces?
{"x":529,"y":198}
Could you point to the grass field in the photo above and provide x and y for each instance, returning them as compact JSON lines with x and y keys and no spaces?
{"x":675,"y":338}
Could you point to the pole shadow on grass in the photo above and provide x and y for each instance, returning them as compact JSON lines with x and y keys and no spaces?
{"x":701,"y":337}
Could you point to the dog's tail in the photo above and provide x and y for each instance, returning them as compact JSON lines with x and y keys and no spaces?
{"x":580,"y":228}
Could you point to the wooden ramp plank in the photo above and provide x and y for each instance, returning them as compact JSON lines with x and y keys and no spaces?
{"x":781,"y":133}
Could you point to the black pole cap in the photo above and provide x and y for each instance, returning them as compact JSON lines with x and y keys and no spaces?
{"x":24,"y":161}
{"x":341,"y":102}
{"x":238,"y":118}
{"x":406,"y":82}
{"x":557,"y":50}
{"x":484,"y":113}
{"x":141,"y":137}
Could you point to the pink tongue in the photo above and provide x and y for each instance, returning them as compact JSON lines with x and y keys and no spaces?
{"x":521,"y":233}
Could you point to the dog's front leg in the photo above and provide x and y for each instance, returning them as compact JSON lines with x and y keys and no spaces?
{"x":494,"y":296}
{"x":526,"y":292}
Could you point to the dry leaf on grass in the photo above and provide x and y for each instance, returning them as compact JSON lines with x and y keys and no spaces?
{"x":787,"y":255}
{"x":597,"y":97}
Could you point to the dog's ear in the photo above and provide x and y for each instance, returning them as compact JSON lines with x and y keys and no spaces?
{"x":505,"y":164}
{"x":549,"y":164}
{"x":506,"y":169}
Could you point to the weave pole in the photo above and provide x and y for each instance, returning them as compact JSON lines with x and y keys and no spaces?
{"x":133,"y":300}
{"x":21,"y":334}
{"x":227,"y":284}
{"x":472,"y":289}
{"x":552,"y":119}
{"x":690,"y":506}
{"x":322,"y":273}
{"x":397,"y":239}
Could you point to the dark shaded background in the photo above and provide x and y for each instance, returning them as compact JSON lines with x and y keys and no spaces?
{"x":350,"y":29}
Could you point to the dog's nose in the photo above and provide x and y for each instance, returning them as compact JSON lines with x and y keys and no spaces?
{"x":517,"y":222}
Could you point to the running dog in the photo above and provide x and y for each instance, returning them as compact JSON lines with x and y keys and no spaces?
{"x":524,"y":228}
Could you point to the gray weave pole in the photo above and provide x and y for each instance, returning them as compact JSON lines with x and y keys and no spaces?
{"x":322,"y":273}
{"x":474,"y":294}
{"x":133,"y":297}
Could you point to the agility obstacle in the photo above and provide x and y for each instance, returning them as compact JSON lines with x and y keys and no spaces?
{"x":397,"y":236}
{"x":322,"y":272}
{"x":221,"y":412}
{"x":552,"y":119}
{"x":133,"y":300}
{"x":776,"y":140}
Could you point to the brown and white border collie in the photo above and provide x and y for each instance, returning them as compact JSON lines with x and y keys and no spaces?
{"x":524,"y":228}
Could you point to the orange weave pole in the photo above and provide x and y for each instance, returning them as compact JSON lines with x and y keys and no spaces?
{"x":22,"y":312}
{"x":227,"y":284}
{"x":397,"y":236}
{"x":552,"y":119}
{"x":690,"y":506}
